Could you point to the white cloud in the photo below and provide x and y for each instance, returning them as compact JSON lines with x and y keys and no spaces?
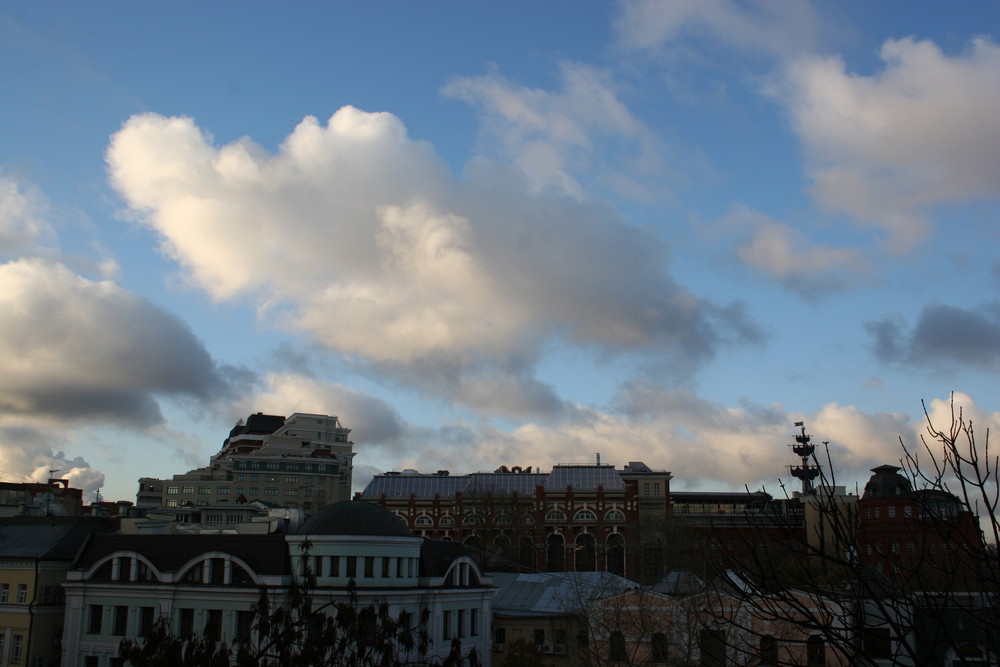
{"x":758,"y":26}
{"x":26,"y":455}
{"x":23,"y":214}
{"x":786,"y":255}
{"x":581,"y":132}
{"x":359,"y":236}
{"x":920,"y":132}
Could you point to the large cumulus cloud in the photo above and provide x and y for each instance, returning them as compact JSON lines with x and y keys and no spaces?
{"x":358,"y":235}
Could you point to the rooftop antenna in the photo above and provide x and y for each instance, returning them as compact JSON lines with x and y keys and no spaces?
{"x":803,"y":448}
{"x":52,"y":474}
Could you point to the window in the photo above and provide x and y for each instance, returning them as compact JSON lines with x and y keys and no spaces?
{"x":446,"y":520}
{"x":352,"y":566}
{"x":172,"y":490}
{"x":585,"y":515}
{"x":17,"y":641}
{"x":877,"y":511}
{"x":768,"y":650}
{"x":659,"y":650}
{"x":254,"y":478}
{"x":271,"y":479}
{"x":22,"y":593}
{"x":204,"y":490}
{"x":555,"y":515}
{"x":222,"y":490}
{"x":815,"y":652}
{"x":500,"y":636}
{"x":907,"y":511}
{"x":172,"y":502}
{"x":292,"y":480}
{"x":424,"y":520}
{"x":121,"y":621}
{"x":186,"y":623}
{"x":334,"y":566}
{"x":241,"y":490}
{"x":291,"y":492}
{"x":615,"y":515}
{"x":539,"y":636}
{"x":616,"y":647}
{"x":187,"y":489}
{"x":369,"y":565}
{"x":891,"y":511}
{"x":95,"y":620}
{"x":270,"y":491}
{"x":292,"y":467}
{"x":145,"y":620}
{"x":241,"y":477}
{"x":446,"y":625}
{"x":4,"y":593}
{"x":474,"y":622}
{"x":877,"y":643}
{"x":272,"y":465}
{"x":213,"y":626}
{"x":461,"y":623}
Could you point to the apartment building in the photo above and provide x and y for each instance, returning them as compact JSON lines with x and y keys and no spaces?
{"x":304,"y":461}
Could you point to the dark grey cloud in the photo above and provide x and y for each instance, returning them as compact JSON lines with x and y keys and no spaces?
{"x":75,"y":349}
{"x":943,"y":335}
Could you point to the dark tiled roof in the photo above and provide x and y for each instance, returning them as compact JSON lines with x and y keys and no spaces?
{"x":47,"y":539}
{"x":265,"y":554}
{"x":355,"y":517}
{"x":437,"y":555}
{"x":580,"y":477}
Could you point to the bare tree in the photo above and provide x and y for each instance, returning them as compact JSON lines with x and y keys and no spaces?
{"x":901,"y":576}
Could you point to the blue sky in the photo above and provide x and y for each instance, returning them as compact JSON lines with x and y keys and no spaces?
{"x":491,"y":234}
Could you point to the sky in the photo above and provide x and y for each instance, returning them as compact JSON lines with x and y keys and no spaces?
{"x":482,"y":234}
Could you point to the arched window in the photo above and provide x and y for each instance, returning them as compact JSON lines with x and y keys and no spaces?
{"x":659,"y":650}
{"x":555,"y":554}
{"x":616,"y":646}
{"x":585,"y":553}
{"x":473,"y":520}
{"x":501,"y":520}
{"x":555,"y":515}
{"x":423,"y":521}
{"x":585,"y":515}
{"x":616,"y":554}
{"x":815,"y":652}
{"x":615,"y":516}
{"x":447,"y":520}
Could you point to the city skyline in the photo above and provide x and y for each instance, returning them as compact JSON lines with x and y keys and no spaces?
{"x":496,"y":234}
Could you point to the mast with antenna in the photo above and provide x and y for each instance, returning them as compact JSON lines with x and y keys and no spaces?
{"x":803,"y":448}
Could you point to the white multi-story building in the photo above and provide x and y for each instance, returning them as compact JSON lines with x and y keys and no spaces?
{"x":303,"y":461}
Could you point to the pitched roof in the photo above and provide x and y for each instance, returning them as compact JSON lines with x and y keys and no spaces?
{"x":47,"y":538}
{"x":552,"y":593}
{"x":265,"y":554}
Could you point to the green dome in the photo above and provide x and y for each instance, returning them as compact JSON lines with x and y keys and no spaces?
{"x":355,"y":517}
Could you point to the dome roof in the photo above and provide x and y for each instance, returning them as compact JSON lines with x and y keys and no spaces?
{"x":355,"y":517}
{"x":887,"y":483}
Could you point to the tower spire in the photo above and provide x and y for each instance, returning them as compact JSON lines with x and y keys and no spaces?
{"x":803,"y":448}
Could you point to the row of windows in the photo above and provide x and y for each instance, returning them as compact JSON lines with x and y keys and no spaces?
{"x":22,"y":594}
{"x":364,"y":566}
{"x":890,"y":511}
{"x":287,"y":466}
{"x":460,"y":623}
{"x":554,"y":515}
{"x":225,"y":490}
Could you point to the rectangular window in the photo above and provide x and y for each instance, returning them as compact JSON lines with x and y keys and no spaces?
{"x":270,"y":492}
{"x":222,"y":490}
{"x":172,"y":490}
{"x":292,"y":480}
{"x":907,"y":511}
{"x":271,"y":479}
{"x":369,"y":566}
{"x":539,"y":636}
{"x":446,"y":625}
{"x":241,"y":490}
{"x":22,"y":593}
{"x":186,"y":623}
{"x":291,"y":492}
{"x":474,"y":622}
{"x":242,"y":624}
{"x":253,"y":491}
{"x":254,"y":465}
{"x":4,"y":593}
{"x":891,"y":512}
{"x":96,"y":619}
{"x":187,"y":489}
{"x":877,"y":511}
{"x":241,"y":477}
{"x":145,"y":620}
{"x":307,"y":480}
{"x":292,"y":467}
{"x":17,"y":641}
{"x":352,"y":566}
{"x":172,"y":502}
{"x":499,"y":635}
{"x":271,"y":465}
{"x":121,"y":621}
{"x":213,"y":626}
{"x":204,"y":490}
{"x":334,"y":566}
{"x":461,"y":623}
{"x":385,"y":567}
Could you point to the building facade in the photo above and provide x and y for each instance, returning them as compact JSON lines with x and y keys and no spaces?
{"x":577,"y":517}
{"x":304,"y":461}
{"x":206,"y":584}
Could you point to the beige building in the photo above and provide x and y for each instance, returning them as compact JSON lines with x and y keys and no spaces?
{"x":303,"y":462}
